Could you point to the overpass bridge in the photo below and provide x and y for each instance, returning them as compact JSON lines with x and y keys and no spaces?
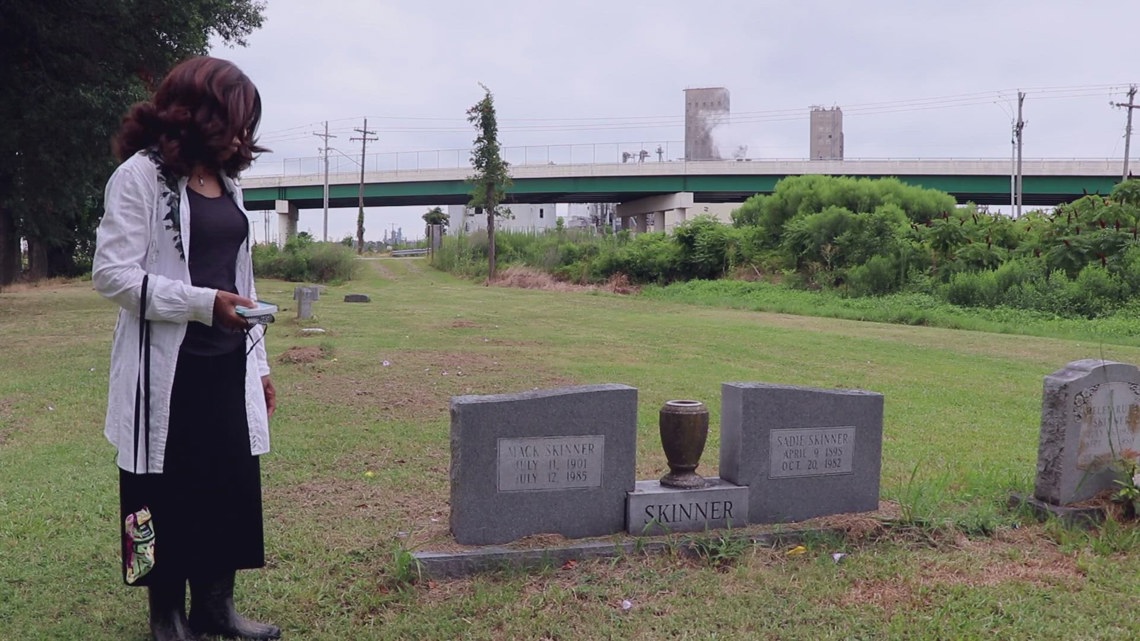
{"x":671,"y":186}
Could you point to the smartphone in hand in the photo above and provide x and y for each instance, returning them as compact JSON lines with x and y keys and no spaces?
{"x":261,"y":313}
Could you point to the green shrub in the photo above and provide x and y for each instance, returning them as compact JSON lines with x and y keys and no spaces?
{"x":1034,"y":295}
{"x":972,"y":289}
{"x":1015,"y":272}
{"x":303,"y":260}
{"x":704,"y":242}
{"x":1095,"y":292}
{"x":1129,"y":268}
{"x":876,"y":277}
{"x":649,"y":258}
{"x":330,"y":263}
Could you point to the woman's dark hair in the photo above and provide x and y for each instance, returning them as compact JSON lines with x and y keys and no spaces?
{"x":201,"y":106}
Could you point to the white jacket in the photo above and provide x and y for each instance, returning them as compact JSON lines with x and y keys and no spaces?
{"x":142,"y":232}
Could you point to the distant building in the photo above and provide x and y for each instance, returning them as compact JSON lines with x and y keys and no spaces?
{"x":596,"y":216}
{"x":704,"y":109}
{"x":532,"y":218}
{"x":826,"y":133}
{"x":395,"y":238}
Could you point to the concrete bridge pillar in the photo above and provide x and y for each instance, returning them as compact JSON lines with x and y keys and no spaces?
{"x":668,"y":210}
{"x":286,"y":221}
{"x":670,"y":218}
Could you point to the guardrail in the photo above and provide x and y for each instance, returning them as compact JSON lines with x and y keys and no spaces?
{"x":398,"y":253}
{"x":632,"y":153}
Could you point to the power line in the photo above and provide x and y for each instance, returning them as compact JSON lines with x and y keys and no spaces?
{"x":769,"y":117}
{"x":969,"y":98}
{"x":633,"y":123}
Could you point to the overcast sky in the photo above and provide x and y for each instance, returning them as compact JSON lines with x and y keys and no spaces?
{"x":914,"y":78}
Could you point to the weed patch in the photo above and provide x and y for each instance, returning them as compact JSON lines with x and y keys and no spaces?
{"x":7,"y":422}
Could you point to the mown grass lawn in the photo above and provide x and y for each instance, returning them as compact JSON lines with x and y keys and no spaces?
{"x":359,"y":473}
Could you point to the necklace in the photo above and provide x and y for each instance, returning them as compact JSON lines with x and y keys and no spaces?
{"x":201,"y":180}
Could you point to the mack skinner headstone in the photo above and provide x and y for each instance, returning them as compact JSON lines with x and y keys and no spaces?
{"x":1090,"y":419}
{"x":547,"y":461}
{"x":802,"y":452}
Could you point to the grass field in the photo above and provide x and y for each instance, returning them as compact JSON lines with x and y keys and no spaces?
{"x":359,"y":473}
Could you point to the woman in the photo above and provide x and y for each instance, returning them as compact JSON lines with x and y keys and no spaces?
{"x":190,"y":394}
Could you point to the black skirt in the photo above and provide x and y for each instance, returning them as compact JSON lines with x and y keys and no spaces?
{"x":204,"y":509}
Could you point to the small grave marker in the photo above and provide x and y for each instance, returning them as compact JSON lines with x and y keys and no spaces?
{"x":305,"y":296}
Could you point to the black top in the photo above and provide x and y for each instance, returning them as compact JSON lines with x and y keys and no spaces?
{"x":217,"y":230}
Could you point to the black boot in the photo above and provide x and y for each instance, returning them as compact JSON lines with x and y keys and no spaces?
{"x":168,"y":612}
{"x":212,"y":611}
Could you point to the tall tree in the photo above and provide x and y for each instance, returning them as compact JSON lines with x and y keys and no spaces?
{"x":492,"y":177}
{"x":436,"y":216}
{"x":68,"y":72}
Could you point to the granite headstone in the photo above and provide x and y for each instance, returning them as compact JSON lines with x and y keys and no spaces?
{"x":547,"y":461}
{"x":802,"y":452}
{"x":1090,"y":422}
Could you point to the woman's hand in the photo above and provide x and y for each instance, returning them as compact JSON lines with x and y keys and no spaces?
{"x":270,"y":395}
{"x":225,"y":314}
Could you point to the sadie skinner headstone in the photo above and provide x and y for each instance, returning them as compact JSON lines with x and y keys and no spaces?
{"x":802,"y":452}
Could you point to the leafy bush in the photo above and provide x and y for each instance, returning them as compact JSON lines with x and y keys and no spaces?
{"x":866,"y":237}
{"x":705,"y":247}
{"x":303,"y":260}
{"x":648,"y":258}
{"x":972,"y":289}
{"x":1016,"y":272}
{"x":876,"y":277}
{"x":567,"y":254}
{"x":329,"y":263}
{"x":1095,"y":292}
{"x":804,"y":195}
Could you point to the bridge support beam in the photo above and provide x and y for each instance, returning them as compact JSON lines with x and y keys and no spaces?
{"x":669,"y":210}
{"x":286,"y":221}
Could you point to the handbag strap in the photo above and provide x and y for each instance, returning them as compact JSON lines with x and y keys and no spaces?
{"x":142,"y":387}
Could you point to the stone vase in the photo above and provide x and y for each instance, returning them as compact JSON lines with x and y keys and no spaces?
{"x":684,"y":428}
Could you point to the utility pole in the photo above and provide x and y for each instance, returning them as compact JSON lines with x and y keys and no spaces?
{"x":325,"y":151}
{"x":1012,"y":167}
{"x":1018,"y":132}
{"x":1130,"y":105}
{"x":365,"y":136}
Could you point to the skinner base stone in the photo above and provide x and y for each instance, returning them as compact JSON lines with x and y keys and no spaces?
{"x":802,"y":452}
{"x":657,"y":509}
{"x":555,"y":461}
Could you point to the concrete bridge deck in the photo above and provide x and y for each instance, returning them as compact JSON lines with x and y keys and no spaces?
{"x":983,"y":181}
